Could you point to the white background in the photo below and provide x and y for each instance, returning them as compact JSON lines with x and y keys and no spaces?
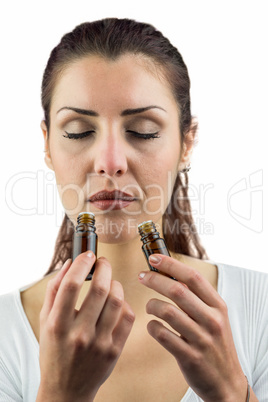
{"x":224,"y":44}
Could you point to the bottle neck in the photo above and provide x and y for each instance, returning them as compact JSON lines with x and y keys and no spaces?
{"x":86,"y":217}
{"x":150,"y":237}
{"x":85,"y":227}
{"x":148,"y":231}
{"x":85,"y":222}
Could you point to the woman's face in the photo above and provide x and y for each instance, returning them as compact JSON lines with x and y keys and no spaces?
{"x":114,"y":143}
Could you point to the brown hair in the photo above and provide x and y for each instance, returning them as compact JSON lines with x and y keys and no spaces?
{"x":112,"y":38}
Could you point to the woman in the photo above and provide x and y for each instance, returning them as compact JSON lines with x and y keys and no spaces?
{"x":119,"y":134}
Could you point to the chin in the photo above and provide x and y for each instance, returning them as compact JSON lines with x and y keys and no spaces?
{"x":116,"y":231}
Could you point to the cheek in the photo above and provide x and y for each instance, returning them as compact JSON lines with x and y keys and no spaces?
{"x":70,"y":180}
{"x":158,"y":184}
{"x":68,"y":169}
{"x":158,"y":168}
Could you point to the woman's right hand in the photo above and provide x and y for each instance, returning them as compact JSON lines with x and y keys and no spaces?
{"x":79,"y":348}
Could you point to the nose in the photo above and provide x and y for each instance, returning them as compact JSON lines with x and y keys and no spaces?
{"x":110,"y":157}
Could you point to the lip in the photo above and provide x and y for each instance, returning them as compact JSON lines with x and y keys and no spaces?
{"x":111,"y":200}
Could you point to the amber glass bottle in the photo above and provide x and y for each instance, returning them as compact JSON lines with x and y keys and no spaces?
{"x":152,"y":242}
{"x":85,"y":237}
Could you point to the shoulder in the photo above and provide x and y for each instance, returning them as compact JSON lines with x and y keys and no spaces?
{"x":13,"y":329}
{"x":17,"y":310}
{"x":207,"y":269}
{"x":9,"y":310}
{"x":12,"y":320}
{"x":32,"y":299}
{"x":245,"y":292}
{"x":19,"y":363}
{"x":250,"y":281}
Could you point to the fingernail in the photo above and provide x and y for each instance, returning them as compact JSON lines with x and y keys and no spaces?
{"x":155,"y":259}
{"x":66,"y":264}
{"x":90,"y":254}
{"x":141,"y":275}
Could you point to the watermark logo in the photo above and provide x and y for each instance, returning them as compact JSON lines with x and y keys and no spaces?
{"x":36,"y":193}
{"x":245,"y":201}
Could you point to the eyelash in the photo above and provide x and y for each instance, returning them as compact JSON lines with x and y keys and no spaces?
{"x":145,"y":136}
{"x":73,"y":136}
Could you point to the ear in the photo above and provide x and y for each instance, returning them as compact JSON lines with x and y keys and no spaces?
{"x":187,"y":147}
{"x":47,"y":158}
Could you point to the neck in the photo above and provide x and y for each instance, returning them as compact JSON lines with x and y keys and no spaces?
{"x":127,"y":260}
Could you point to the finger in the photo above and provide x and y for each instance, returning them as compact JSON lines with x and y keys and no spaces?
{"x":124,"y":325}
{"x":183,"y":297}
{"x":173,"y":343}
{"x":188,"y":275}
{"x":71,"y":284}
{"x":174,"y":317}
{"x":96,"y":297}
{"x":52,"y":288}
{"x":112,"y":309}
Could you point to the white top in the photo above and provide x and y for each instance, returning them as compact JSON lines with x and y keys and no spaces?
{"x":244,"y":291}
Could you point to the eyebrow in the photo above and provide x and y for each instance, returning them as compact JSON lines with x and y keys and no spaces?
{"x":79,"y":111}
{"x":126,"y":112}
{"x":129,"y":112}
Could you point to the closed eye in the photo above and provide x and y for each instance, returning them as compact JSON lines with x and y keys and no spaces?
{"x":77,"y":136}
{"x":144,"y":136}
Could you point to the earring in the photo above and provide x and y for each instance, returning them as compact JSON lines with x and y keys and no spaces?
{"x":186,"y":169}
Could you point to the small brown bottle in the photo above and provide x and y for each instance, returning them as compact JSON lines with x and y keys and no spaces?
{"x":85,"y":237}
{"x":152,"y":242}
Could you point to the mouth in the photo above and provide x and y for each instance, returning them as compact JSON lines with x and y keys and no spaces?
{"x":111,"y":200}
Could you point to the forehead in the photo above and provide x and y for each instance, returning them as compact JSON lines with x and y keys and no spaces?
{"x":93,"y":80}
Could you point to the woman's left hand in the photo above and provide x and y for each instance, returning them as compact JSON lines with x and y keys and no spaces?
{"x":202,"y":341}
